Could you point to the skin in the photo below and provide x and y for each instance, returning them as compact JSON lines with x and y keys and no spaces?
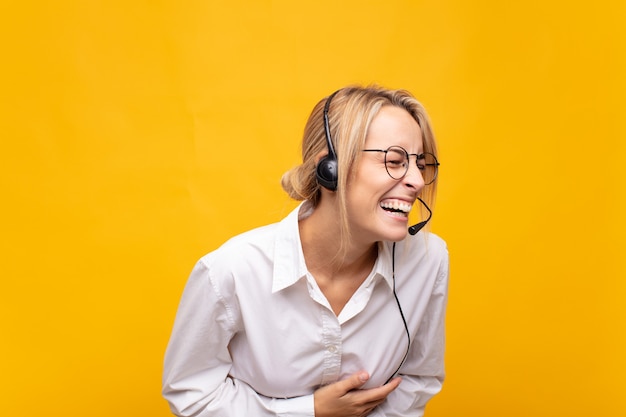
{"x":369,"y":223}
{"x":344,"y":398}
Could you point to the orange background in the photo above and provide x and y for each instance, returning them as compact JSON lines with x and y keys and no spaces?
{"x":139,"y":135}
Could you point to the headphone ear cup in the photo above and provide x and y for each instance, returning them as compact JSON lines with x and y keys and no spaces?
{"x":326,"y":172}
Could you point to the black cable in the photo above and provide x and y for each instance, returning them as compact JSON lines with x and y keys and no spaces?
{"x":406,"y":327}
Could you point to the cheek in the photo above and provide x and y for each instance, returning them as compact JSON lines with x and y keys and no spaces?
{"x":365,"y":188}
{"x":363,"y":199}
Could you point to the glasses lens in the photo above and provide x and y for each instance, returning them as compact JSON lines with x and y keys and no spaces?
{"x":428,"y":165}
{"x":396,"y":162}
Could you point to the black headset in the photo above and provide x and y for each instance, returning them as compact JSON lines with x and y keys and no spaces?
{"x":326,"y":170}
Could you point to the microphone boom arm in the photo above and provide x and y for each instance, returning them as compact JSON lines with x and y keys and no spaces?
{"x":417,"y":227}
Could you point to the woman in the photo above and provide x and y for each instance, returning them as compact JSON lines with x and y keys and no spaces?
{"x":336,"y":310}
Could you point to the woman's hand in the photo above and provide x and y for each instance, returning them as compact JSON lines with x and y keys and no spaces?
{"x":345,"y":399}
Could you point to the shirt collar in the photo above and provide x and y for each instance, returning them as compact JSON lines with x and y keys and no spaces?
{"x":384,"y":261}
{"x":288,"y":248}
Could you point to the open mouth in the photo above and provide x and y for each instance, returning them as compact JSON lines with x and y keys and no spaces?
{"x":401,"y":208}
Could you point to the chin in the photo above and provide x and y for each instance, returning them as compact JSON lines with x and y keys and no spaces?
{"x":397,"y":237}
{"x":396,"y":234}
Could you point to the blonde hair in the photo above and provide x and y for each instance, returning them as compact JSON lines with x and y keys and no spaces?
{"x":351,"y":112}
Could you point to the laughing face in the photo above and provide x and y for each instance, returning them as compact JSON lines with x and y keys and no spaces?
{"x":378,"y":205}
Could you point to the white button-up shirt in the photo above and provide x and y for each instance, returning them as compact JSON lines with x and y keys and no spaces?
{"x":254,"y":335}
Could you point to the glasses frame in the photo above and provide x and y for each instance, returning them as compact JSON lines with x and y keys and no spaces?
{"x":408,"y":158}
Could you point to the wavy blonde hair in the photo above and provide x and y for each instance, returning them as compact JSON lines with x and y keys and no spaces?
{"x":351,"y":112}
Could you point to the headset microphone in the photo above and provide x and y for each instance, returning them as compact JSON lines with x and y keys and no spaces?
{"x":417,"y":227}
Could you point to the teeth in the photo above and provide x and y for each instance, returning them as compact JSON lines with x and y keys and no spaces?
{"x":396,"y":205}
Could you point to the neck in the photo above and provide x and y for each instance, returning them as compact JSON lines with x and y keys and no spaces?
{"x":339,"y":272}
{"x":321,"y":245}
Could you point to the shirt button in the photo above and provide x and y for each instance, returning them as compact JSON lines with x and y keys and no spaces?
{"x":332,"y":349}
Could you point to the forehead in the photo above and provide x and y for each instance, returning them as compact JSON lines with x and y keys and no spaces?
{"x":394,"y":126}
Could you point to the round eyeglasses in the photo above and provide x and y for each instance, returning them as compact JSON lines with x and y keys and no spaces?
{"x":397,"y":163}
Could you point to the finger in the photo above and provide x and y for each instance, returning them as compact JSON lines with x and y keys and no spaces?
{"x":390,"y":386}
{"x":355,"y":381}
{"x":394,"y":382}
{"x":378,"y":394}
{"x":371,"y":405}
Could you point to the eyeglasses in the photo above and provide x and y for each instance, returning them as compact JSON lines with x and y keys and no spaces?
{"x":397,"y":163}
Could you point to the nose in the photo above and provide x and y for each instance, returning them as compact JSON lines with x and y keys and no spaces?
{"x":413,"y":178}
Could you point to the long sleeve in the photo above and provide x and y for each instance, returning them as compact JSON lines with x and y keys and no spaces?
{"x":423,"y":373}
{"x":196,"y":380}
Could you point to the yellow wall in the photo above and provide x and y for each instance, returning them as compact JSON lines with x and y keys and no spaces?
{"x":138,"y":135}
